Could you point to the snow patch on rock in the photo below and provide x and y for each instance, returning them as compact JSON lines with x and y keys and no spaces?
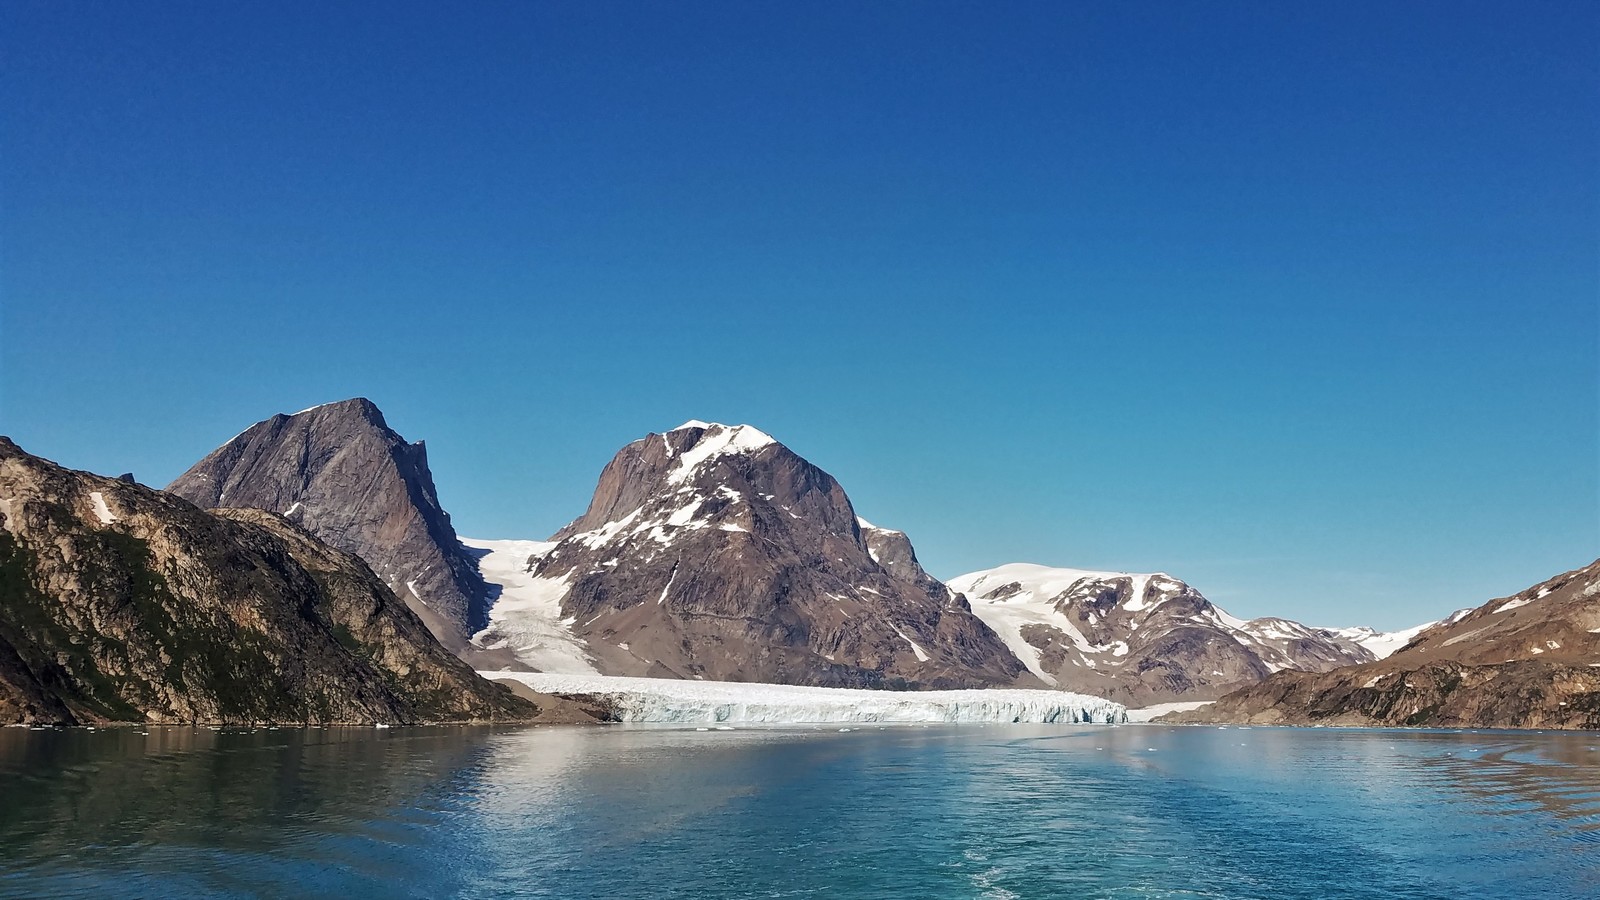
{"x":101,"y":511}
{"x":1146,"y":713}
{"x":717,"y":441}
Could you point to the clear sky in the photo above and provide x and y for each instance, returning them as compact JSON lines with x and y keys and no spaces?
{"x":1299,"y":305}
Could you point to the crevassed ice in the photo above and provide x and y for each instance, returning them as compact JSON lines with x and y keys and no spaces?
{"x":527,"y":618}
{"x":657,"y":700}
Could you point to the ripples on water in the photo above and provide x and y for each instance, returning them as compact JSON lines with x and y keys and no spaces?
{"x":996,"y":812}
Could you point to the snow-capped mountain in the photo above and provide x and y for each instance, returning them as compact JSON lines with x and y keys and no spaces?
{"x":715,"y":552}
{"x":1384,"y":643}
{"x":1140,"y":638}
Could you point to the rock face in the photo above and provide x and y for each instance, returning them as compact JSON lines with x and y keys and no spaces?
{"x":1140,"y":639}
{"x":342,"y":474}
{"x":1531,"y":660}
{"x":715,"y":552}
{"x":123,"y":603}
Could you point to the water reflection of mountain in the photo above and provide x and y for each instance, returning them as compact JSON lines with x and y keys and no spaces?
{"x":216,"y":805}
{"x":1558,"y":774}
{"x":641,"y":812}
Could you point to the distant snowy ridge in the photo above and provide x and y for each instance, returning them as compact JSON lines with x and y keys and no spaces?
{"x":659,"y":700}
{"x":1039,"y":588}
{"x":1383,"y":643}
{"x":1141,"y":638}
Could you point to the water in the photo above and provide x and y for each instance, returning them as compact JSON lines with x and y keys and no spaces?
{"x":982,"y":812}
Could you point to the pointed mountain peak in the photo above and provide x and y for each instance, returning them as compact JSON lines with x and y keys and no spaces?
{"x":343,"y":474}
{"x":714,"y":551}
{"x":712,"y":442}
{"x":748,"y":436}
{"x":355,"y":407}
{"x":871,"y":527}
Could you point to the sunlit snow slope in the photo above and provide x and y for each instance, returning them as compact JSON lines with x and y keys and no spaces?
{"x":1140,"y":638}
{"x":526,"y":615}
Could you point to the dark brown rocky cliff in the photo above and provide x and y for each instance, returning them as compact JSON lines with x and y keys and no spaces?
{"x":342,"y":474}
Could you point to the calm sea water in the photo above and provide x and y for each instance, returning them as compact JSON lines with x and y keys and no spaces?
{"x":997,"y":812}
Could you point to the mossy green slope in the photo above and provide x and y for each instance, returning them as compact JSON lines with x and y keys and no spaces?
{"x":123,"y":603}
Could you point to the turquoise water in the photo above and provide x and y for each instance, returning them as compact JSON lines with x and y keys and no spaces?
{"x":993,"y":812}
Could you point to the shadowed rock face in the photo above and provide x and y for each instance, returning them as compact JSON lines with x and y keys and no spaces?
{"x":122,"y":603}
{"x":342,"y":474}
{"x":1140,"y":639}
{"x":1525,"y":661}
{"x":716,"y":552}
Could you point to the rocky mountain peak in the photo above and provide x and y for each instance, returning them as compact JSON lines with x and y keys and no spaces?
{"x":715,"y":551}
{"x":339,"y":471}
{"x":712,"y":457}
{"x":1139,"y":638}
{"x":892,"y":550}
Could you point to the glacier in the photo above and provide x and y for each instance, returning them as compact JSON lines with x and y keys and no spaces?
{"x":668,"y":701}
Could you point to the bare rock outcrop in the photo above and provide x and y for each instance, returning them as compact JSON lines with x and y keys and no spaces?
{"x":123,"y":603}
{"x":1531,"y":660}
{"x":340,"y":472}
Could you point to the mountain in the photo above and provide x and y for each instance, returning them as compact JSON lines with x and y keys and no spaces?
{"x":1531,"y":660}
{"x":123,"y":603}
{"x":1140,"y":639}
{"x":1385,"y":643}
{"x":340,"y":472}
{"x":715,"y":552}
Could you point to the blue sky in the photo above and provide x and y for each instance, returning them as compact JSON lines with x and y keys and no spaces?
{"x":1297,"y":304}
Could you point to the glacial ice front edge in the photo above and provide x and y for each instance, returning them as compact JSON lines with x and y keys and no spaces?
{"x":660,"y":700}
